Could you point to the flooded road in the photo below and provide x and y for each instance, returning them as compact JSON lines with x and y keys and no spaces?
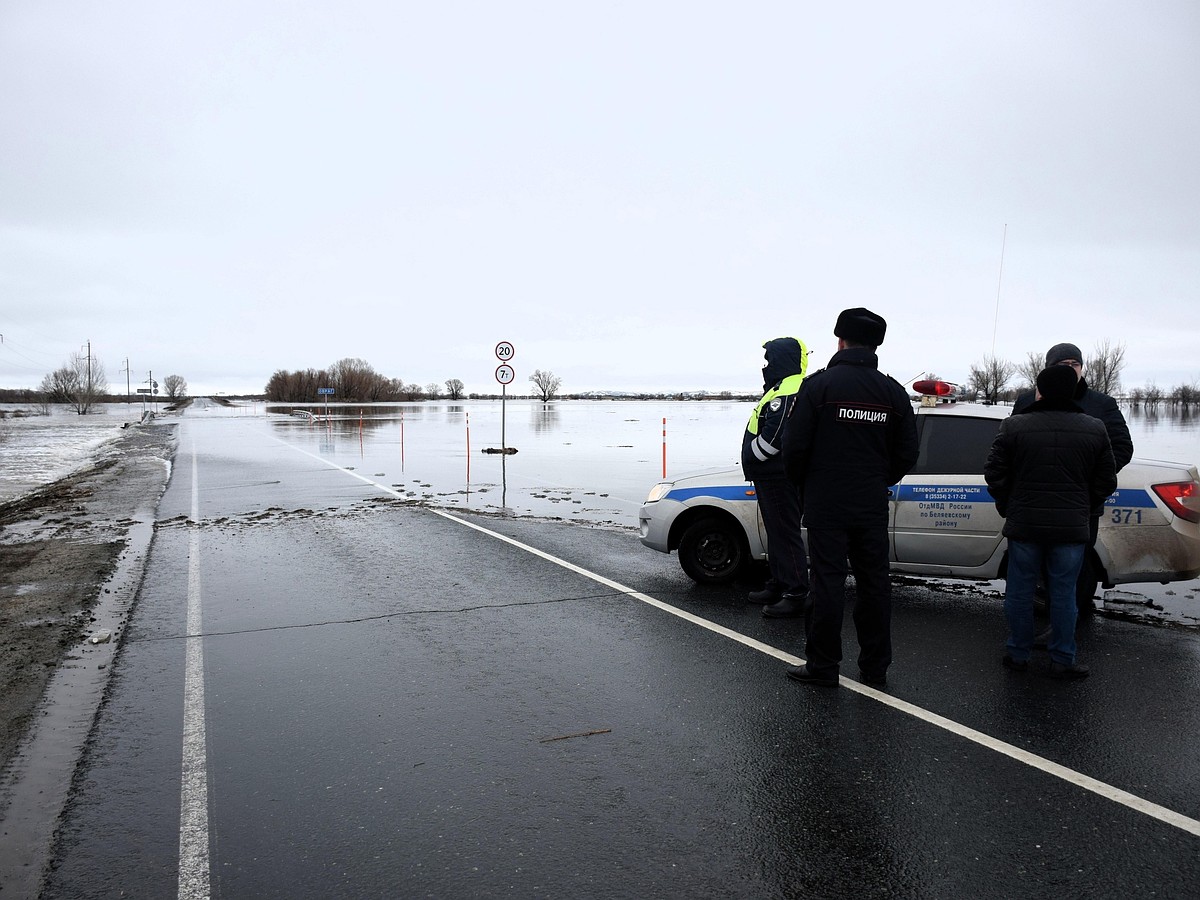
{"x":326,"y":690}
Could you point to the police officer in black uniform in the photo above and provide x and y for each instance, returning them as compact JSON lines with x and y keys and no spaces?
{"x":786,"y":591}
{"x":852,"y":434}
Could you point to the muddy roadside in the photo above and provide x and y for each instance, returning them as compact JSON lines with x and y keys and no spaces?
{"x":60,"y":548}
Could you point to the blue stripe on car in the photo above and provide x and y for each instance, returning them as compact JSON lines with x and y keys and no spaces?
{"x":1129,"y":498}
{"x":724,"y":492}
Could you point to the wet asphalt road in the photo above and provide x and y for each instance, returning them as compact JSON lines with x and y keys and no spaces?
{"x":397,"y":704}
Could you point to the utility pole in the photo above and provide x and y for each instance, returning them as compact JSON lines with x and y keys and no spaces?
{"x":87,"y":397}
{"x":126,"y":371}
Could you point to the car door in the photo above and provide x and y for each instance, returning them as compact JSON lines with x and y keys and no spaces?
{"x":943,"y":513}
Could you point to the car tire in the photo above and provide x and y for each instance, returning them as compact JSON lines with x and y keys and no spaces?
{"x":713,"y":550}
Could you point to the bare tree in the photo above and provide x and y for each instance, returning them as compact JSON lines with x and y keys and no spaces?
{"x":991,"y":376}
{"x":455,"y":388}
{"x":1185,"y":395}
{"x":175,"y":386}
{"x":58,"y":386}
{"x":354,"y":379}
{"x":1029,"y":369}
{"x":1103,"y":370}
{"x":296,"y":386}
{"x":547,"y":383}
{"x":81,"y":383}
{"x":433,"y":390}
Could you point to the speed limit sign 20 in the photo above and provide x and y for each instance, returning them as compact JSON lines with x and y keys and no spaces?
{"x":505,"y":351}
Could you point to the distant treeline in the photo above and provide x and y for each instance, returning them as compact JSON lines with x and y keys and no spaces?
{"x":353,"y":381}
{"x":360,"y":383}
{"x":21,"y":395}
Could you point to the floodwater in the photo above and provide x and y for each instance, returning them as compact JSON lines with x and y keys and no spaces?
{"x":37,"y":448}
{"x":585,"y":460}
{"x":590,"y":462}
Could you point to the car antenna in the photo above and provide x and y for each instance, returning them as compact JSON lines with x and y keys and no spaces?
{"x":999,"y":280}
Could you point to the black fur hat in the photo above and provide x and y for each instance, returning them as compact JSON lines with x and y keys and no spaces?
{"x":860,"y":326}
{"x":1057,"y":383}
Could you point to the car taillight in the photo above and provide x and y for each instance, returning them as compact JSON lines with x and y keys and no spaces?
{"x":1182,"y":498}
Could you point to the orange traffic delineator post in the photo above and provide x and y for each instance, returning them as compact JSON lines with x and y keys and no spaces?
{"x":664,"y":446}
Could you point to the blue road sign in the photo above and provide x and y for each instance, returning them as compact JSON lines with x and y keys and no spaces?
{"x":324,"y":390}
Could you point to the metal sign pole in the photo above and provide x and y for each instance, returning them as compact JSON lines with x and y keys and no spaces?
{"x":504,"y":374}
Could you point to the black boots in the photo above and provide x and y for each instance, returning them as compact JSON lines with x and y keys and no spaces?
{"x":789,"y":606}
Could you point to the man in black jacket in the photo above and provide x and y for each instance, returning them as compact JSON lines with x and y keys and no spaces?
{"x":851,"y":436}
{"x":786,"y":592}
{"x":1050,"y":470}
{"x":1095,"y":404}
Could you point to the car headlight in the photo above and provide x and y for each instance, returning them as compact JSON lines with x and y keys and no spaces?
{"x":659,"y":491}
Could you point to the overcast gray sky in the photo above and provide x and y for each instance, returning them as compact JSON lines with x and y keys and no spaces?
{"x":635,"y":194}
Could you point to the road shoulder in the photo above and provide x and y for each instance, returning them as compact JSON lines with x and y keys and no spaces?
{"x":71,"y":559}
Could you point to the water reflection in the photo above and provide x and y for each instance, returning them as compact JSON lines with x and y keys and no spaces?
{"x":1178,"y":416}
{"x":1162,"y":431}
{"x":544,"y":417}
{"x":368,"y":412}
{"x":504,"y":482}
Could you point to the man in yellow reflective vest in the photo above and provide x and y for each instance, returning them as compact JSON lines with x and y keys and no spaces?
{"x":786,"y":591}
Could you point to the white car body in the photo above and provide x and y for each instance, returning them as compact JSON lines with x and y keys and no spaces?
{"x":943,"y":520}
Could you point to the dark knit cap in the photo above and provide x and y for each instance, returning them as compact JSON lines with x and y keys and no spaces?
{"x":1057,"y":382}
{"x":1059,"y":352}
{"x":860,"y":326}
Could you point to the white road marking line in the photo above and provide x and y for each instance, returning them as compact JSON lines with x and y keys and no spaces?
{"x":193,"y":806}
{"x":1103,"y":789}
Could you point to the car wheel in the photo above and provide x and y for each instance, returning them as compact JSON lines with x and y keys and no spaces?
{"x":712,"y":550}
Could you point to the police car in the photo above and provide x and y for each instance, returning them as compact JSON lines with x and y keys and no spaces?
{"x":943,"y":521}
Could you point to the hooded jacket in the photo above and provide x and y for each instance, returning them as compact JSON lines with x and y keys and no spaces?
{"x":1050,"y":470}
{"x":787,"y":361}
{"x":1099,"y":406}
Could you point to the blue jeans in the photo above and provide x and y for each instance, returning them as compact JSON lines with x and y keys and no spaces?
{"x":1062,"y":563}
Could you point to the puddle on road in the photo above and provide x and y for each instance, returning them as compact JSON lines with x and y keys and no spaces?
{"x":1175,"y":605}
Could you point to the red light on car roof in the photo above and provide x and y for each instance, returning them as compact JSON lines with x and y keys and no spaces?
{"x":1182,"y":498}
{"x":933,"y":388}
